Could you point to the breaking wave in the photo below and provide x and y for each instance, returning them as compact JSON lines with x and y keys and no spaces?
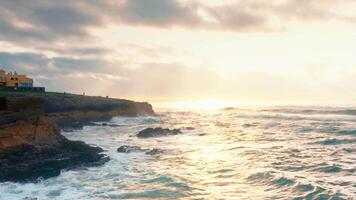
{"x":269,"y":153}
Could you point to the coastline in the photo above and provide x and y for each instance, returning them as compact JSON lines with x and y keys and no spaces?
{"x":31,"y":145}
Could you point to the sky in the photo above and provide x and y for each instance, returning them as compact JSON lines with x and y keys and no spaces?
{"x":243,"y":51}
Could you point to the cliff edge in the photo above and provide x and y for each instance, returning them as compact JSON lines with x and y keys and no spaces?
{"x":74,"y":111}
{"x":31,"y":145}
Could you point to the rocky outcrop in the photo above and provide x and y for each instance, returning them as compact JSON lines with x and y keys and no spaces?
{"x":31,"y":145}
{"x":74,"y":111}
{"x":37,"y":131}
{"x":28,"y":162}
{"x":157,"y":132}
{"x":130,"y":149}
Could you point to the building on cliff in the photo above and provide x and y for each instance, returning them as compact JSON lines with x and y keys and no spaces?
{"x":17,"y":81}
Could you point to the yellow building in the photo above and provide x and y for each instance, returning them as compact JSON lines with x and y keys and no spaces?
{"x":15,"y":80}
{"x":2,"y":78}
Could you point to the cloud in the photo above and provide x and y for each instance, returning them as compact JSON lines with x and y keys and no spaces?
{"x":98,"y":76}
{"x":41,"y":20}
{"x":159,"y":13}
{"x":237,"y":18}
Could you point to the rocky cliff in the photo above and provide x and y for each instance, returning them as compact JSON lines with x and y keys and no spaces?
{"x":31,"y":145}
{"x":68,"y":110}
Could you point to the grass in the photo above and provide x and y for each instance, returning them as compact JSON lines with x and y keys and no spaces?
{"x":6,"y":90}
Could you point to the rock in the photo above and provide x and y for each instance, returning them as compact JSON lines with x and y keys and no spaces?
{"x":28,"y":163}
{"x":129,"y":149}
{"x":31,"y":145}
{"x":36,"y":131}
{"x":157,"y":132}
{"x":154,"y":152}
{"x":72,"y":111}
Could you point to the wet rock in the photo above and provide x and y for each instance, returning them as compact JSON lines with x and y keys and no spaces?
{"x":28,"y":163}
{"x":32,"y":147}
{"x":129,"y":149}
{"x":157,"y":132}
{"x":154,"y":152}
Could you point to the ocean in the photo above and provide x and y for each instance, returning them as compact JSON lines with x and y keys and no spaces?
{"x":250,"y":153}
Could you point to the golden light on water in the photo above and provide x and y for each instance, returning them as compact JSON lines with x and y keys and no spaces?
{"x":204,"y":105}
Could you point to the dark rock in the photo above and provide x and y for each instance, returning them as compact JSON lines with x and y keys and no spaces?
{"x":154,"y":152}
{"x":157,"y":132}
{"x":31,"y":145}
{"x":27,"y":163}
{"x":69,"y":110}
{"x":129,"y":149}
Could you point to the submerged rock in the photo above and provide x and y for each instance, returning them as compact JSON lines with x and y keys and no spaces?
{"x":157,"y":132}
{"x":129,"y":149}
{"x":154,"y":152}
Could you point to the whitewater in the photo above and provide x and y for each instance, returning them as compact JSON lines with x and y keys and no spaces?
{"x":264,"y":153}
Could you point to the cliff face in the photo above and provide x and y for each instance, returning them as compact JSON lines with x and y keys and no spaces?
{"x":22,"y":122}
{"x":37,"y":131}
{"x":31,"y":145}
{"x":69,"y":111}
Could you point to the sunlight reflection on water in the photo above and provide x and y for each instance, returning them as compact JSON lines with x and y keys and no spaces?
{"x":221,"y":155}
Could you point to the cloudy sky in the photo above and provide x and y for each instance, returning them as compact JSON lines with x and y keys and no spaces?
{"x":279,"y":51}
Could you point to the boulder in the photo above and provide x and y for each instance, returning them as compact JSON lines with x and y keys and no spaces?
{"x":157,"y":132}
{"x":129,"y":149}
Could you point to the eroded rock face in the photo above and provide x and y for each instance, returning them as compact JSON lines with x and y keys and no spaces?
{"x":157,"y":132}
{"x":31,"y":145}
{"x":73,"y":111}
{"x":36,"y":131}
{"x":28,"y":163}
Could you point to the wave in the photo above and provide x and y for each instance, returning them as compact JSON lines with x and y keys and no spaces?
{"x":347,"y":132}
{"x":298,"y":110}
{"x":301,"y":190}
{"x":313,"y":111}
{"x":334,"y":141}
{"x":330,"y":169}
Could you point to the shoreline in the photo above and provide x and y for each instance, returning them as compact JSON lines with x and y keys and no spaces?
{"x":31,"y":144}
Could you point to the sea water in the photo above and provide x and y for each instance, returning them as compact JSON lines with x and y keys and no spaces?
{"x":273,"y":153}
